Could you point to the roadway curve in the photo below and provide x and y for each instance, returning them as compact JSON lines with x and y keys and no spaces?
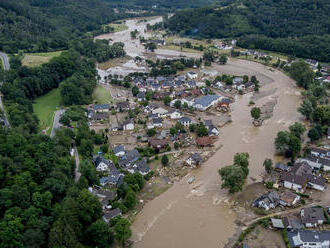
{"x":6,"y":66}
{"x":5,"y":61}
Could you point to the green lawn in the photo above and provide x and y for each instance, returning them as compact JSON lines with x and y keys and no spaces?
{"x":45,"y":106}
{"x":36,"y":59}
{"x":102,"y":95}
{"x":118,"y":27}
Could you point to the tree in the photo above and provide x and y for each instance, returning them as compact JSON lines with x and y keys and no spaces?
{"x":167,"y":100}
{"x":245,"y":78}
{"x":130,"y":199}
{"x":268,"y":164}
{"x":294,"y":146}
{"x":302,"y":73}
{"x":165,"y":160}
{"x":314,"y":134}
{"x":88,"y":170}
{"x":104,"y":148}
{"x":255,"y":113}
{"x":11,"y":229}
{"x":177,"y":104}
{"x":282,"y":141}
{"x":151,"y":132}
{"x":98,"y":234}
{"x":122,"y":230}
{"x":201,"y":130}
{"x":150,"y":46}
{"x":306,"y":109}
{"x":233,"y":178}
{"x":297,"y":129}
{"x":135,"y":90}
{"x":223,"y":59}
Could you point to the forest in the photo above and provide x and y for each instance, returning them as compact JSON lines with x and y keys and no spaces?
{"x":48,"y":25}
{"x":297,"y":27}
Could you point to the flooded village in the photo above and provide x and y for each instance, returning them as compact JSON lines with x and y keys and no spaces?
{"x":178,"y":130}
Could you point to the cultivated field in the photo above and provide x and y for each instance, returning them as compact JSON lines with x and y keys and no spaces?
{"x":36,"y":59}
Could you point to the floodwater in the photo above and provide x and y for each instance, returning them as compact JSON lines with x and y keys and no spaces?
{"x":134,"y":48}
{"x":198,"y":215}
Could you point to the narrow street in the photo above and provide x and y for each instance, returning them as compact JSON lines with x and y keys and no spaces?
{"x":56,"y":122}
{"x":76,"y":157}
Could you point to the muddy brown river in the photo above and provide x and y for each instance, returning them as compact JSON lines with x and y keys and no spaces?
{"x":198,"y":215}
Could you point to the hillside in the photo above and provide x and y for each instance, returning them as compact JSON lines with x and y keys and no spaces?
{"x":293,"y":24}
{"x":43,"y":25}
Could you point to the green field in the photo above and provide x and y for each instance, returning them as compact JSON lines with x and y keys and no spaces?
{"x":102,"y":95}
{"x":118,"y":27}
{"x":45,"y":106}
{"x":36,"y":59}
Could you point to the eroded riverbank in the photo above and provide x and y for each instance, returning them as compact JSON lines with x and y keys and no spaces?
{"x":199,"y":214}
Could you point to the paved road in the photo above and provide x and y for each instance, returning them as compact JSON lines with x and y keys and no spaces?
{"x":56,"y":122}
{"x":5,"y":61}
{"x":6,"y":66}
{"x":76,"y":157}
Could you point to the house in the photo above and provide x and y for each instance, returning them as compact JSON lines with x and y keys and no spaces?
{"x":158,"y":144}
{"x":281,"y":167}
{"x":309,"y":239}
{"x":111,"y":214}
{"x":161,"y":112}
{"x":237,"y":80}
{"x":316,"y":162}
{"x":204,"y":141}
{"x":186,"y":121}
{"x":102,"y":164}
{"x":277,"y":223}
{"x":122,"y":106}
{"x":312,"y":217}
{"x":239,"y":86}
{"x":141,"y":96}
{"x":128,"y":125}
{"x":288,"y":199}
{"x":142,"y":167}
{"x":155,"y":87}
{"x":267,"y":201}
{"x":174,"y":114}
{"x":191,"y":84}
{"x":131,"y":155}
{"x":158,"y":42}
{"x":320,"y":152}
{"x":157,"y":122}
{"x":194,"y":160}
{"x":292,"y":223}
{"x":328,"y":133}
{"x":212,"y":130}
{"x":99,"y":116}
{"x":101,"y":108}
{"x":301,"y":176}
{"x":204,"y":102}
{"x":313,"y":63}
{"x":104,"y":196}
{"x":192,"y":75}
{"x":119,"y":150}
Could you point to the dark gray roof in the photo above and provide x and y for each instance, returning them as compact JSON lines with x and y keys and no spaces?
{"x":312,"y":215}
{"x":184,"y":119}
{"x":282,"y":167}
{"x":206,"y":100}
{"x":142,"y":166}
{"x":99,"y":159}
{"x":141,"y":95}
{"x":292,"y":223}
{"x":196,"y":157}
{"x":132,"y":155}
{"x":101,"y":106}
{"x":122,"y":105}
{"x":118,"y":148}
{"x":112,"y":214}
{"x":307,"y":236}
{"x":157,"y":120}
